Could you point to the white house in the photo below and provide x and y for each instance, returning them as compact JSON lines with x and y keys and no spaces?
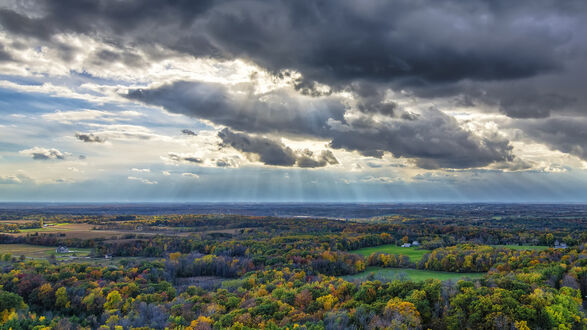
{"x":62,"y":249}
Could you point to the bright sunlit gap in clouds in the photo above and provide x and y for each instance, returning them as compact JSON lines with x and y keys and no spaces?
{"x":414,"y":106}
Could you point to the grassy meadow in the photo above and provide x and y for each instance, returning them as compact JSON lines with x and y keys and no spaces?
{"x":414,"y":253}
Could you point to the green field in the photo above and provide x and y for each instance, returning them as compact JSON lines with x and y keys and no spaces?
{"x":40,"y":252}
{"x":522,"y":247}
{"x":409,"y":274}
{"x":415,"y":254}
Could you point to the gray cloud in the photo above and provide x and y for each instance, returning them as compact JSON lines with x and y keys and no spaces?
{"x":434,"y":140}
{"x":14,"y":179}
{"x":126,"y":57}
{"x":532,"y":104}
{"x":306,"y":158}
{"x":188,"y":132}
{"x":566,"y":134}
{"x":271,"y":152}
{"x":225,"y":163}
{"x":334,"y":40}
{"x":222,"y":163}
{"x":183,"y":158}
{"x":526,"y":98}
{"x":89,"y":137}
{"x":4,"y":56}
{"x":371,"y":99}
{"x":525,"y":58}
{"x":277,"y":111}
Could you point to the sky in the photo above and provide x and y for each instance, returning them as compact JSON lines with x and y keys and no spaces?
{"x":293,"y":101}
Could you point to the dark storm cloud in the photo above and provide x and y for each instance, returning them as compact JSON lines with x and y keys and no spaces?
{"x":271,"y":152}
{"x":89,"y":16}
{"x":531,"y":105}
{"x":371,"y":99}
{"x":415,"y":42}
{"x":89,"y":137}
{"x":565,"y":134}
{"x":335,"y":41}
{"x":528,"y":98}
{"x":528,"y":102}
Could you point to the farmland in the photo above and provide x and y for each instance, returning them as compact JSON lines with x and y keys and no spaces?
{"x":230,"y":271}
{"x":39,"y":252}
{"x":415,"y":254}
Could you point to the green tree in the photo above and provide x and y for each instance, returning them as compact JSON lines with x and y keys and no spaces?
{"x":9,"y":300}
{"x":61,"y":299}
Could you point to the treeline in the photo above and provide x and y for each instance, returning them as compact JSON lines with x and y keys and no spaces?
{"x":49,"y":240}
{"x":389,"y":260}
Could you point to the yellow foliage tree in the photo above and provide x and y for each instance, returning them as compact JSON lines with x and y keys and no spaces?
{"x":113,"y":301}
{"x":327,"y":301}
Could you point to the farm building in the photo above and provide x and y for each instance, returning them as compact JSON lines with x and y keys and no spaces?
{"x":62,"y":249}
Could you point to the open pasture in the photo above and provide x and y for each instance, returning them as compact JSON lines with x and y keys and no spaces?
{"x":415,"y":254}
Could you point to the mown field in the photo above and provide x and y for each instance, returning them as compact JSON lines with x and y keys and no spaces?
{"x":77,"y":254}
{"x":415,"y":254}
{"x":378,"y":273}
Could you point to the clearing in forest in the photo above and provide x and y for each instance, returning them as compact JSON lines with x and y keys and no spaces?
{"x":414,"y":253}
